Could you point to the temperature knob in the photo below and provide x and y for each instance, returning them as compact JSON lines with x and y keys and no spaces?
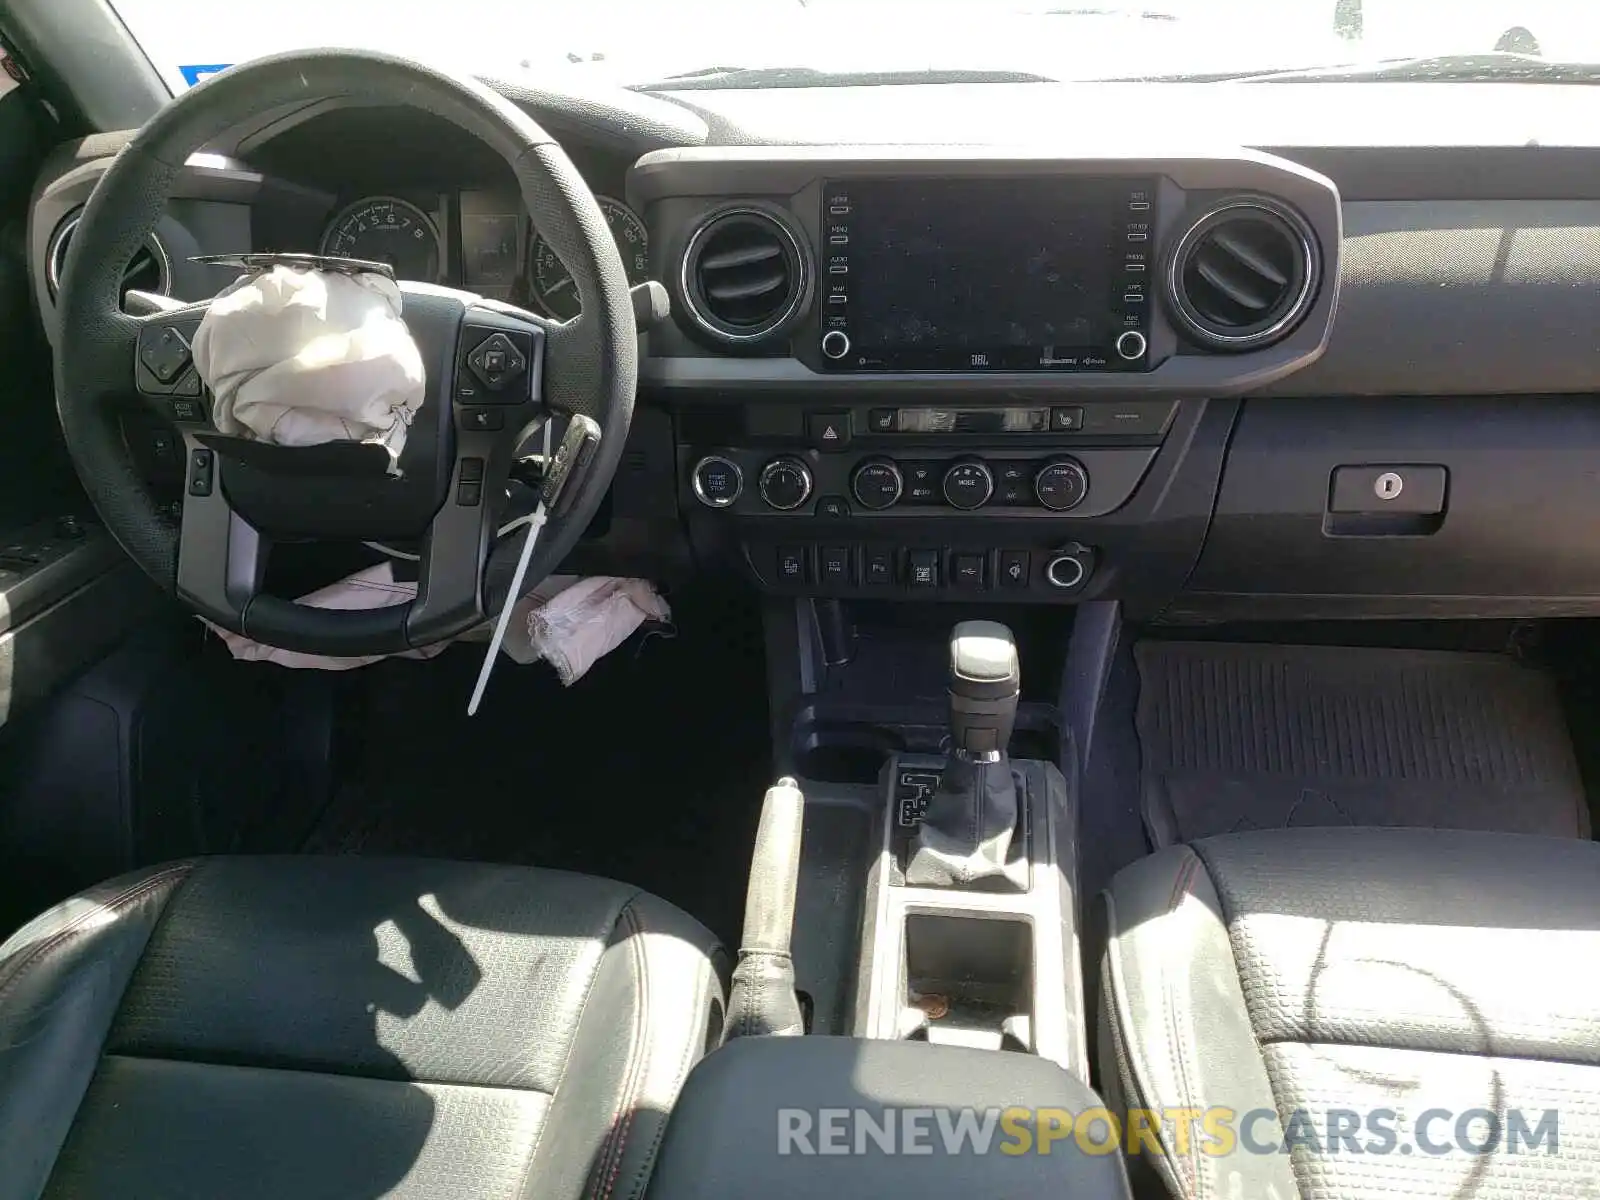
{"x":1061,"y":484}
{"x":968,"y":484}
{"x":785,"y":483}
{"x":877,"y":483}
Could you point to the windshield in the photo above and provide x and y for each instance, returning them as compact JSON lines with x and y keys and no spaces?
{"x":768,"y":43}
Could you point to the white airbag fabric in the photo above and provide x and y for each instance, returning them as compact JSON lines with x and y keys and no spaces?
{"x":300,"y":357}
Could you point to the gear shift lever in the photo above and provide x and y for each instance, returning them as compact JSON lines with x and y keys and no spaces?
{"x":965,"y":835}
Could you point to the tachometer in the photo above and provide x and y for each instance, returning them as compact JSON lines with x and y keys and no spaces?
{"x":383,"y":229}
{"x":552,"y":283}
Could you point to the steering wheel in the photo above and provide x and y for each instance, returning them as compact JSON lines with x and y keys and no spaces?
{"x":459,"y":449}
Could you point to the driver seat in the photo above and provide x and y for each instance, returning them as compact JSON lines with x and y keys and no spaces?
{"x":348,"y":1027}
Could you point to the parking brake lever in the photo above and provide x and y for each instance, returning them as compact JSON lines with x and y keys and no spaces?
{"x":763,"y":1001}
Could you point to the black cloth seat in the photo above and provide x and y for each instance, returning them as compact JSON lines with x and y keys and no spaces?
{"x":348,"y":1027}
{"x":1412,"y":978}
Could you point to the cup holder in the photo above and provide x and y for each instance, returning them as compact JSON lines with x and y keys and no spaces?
{"x":843,"y":753}
{"x":968,"y":980}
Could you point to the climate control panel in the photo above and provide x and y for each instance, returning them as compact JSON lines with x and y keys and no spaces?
{"x":1086,"y":483}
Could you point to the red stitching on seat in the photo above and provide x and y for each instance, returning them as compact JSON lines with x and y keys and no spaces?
{"x":630,"y":1091}
{"x":123,"y":898}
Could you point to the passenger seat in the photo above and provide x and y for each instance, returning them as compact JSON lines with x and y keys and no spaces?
{"x":1363,"y":991}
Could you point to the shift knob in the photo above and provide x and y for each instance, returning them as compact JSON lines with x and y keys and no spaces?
{"x":985,"y":681}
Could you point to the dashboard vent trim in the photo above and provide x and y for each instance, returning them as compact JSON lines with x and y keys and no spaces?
{"x":151,"y":256}
{"x":1244,"y":274}
{"x":744,"y":275}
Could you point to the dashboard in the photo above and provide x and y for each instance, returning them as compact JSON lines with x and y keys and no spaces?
{"x":1210,"y":382}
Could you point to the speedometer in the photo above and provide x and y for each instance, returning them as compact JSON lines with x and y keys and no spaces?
{"x":553,"y":288}
{"x":384,"y":229}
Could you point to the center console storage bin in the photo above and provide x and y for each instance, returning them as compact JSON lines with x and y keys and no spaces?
{"x":807,"y":1117}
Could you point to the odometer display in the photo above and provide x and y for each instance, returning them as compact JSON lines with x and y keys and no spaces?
{"x":384,"y":229}
{"x":553,"y":288}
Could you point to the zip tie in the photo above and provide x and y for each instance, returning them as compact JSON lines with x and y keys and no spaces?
{"x":535,"y":522}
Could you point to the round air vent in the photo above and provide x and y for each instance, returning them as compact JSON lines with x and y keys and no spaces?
{"x":744,"y":276}
{"x":150,"y":270}
{"x":1243,"y":275}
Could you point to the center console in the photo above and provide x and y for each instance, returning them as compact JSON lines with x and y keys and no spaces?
{"x":899,"y":372}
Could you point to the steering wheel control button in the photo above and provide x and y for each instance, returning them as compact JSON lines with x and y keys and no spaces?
{"x":716,"y":481}
{"x":833,"y":565}
{"x":922,"y":568}
{"x":202,"y":472}
{"x":1013,"y":569}
{"x":164,"y":353}
{"x":785,"y":484}
{"x":877,"y":568}
{"x":968,"y":485}
{"x":1415,"y":491}
{"x":188,"y":385}
{"x":791,"y":564}
{"x":469,"y":483}
{"x":829,"y":431}
{"x":482,"y":420}
{"x":1061,"y":485}
{"x":1066,"y":571}
{"x":1131,"y":345}
{"x":835,"y":507}
{"x":835,"y":344}
{"x":497,"y":363}
{"x":966,"y":571}
{"x":877,"y":484}
{"x":1066,"y":420}
{"x":189,"y":412}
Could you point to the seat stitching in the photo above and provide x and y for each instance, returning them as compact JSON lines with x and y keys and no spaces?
{"x":127,"y":896}
{"x":685,"y":1061}
{"x":1180,"y":889}
{"x":566,"y":1059}
{"x":638,"y":1056}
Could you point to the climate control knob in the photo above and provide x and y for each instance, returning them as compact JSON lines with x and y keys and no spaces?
{"x":785,"y":483}
{"x":1061,"y":484}
{"x":877,"y":483}
{"x":968,"y":484}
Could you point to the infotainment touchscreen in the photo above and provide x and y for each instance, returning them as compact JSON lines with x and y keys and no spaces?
{"x":994,"y":274}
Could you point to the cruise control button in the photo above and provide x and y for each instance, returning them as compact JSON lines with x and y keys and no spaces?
{"x":922,"y":568}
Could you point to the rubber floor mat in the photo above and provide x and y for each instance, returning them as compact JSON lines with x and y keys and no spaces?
{"x":649,"y":770}
{"x":1237,"y":736}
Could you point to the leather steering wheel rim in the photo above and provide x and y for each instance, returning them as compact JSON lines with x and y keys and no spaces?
{"x":589,"y":368}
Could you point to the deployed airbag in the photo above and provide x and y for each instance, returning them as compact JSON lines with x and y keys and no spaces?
{"x":301,"y":357}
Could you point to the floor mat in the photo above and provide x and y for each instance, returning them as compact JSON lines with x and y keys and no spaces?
{"x":649,"y":770}
{"x":1237,"y":736}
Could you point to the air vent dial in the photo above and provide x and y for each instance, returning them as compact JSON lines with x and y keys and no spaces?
{"x":1243,"y":275}
{"x":744,"y":276}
